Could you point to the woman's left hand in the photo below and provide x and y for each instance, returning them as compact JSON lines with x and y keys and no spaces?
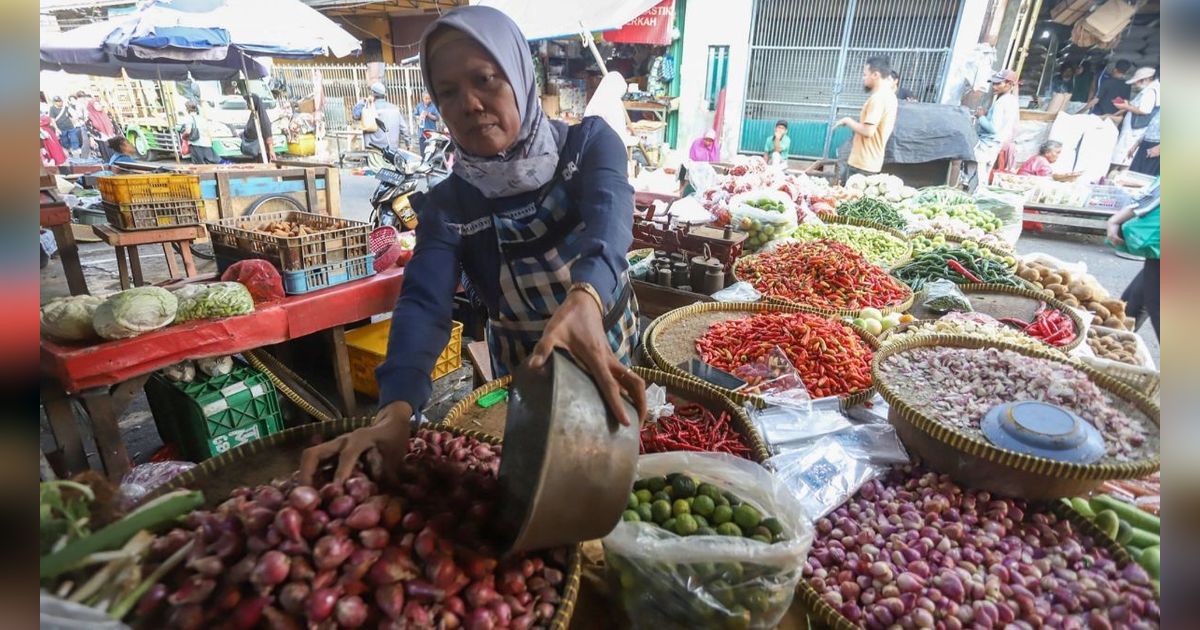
{"x":578,"y":328}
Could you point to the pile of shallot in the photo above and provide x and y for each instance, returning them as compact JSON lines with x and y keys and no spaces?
{"x":914,"y":550}
{"x":421,"y":555}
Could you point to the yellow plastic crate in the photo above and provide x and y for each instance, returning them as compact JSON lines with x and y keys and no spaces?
{"x":127,"y":189}
{"x":368,"y":345}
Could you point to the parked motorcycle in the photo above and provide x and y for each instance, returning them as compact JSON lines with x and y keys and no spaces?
{"x":438,"y":154}
{"x":398,"y":179}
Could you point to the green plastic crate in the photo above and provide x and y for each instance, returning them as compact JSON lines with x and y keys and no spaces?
{"x":211,"y":415}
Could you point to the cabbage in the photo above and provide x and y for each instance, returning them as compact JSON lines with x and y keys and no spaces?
{"x":70,"y":318}
{"x":133,"y":312}
{"x":219,"y":299}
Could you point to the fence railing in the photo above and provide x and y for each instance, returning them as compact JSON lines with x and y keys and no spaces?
{"x":345,"y":85}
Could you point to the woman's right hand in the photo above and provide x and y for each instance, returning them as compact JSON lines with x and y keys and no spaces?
{"x":1114,"y":233}
{"x":389,"y":433}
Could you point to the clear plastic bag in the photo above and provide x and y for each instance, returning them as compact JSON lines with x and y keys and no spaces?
{"x":773,"y":378}
{"x":670,"y":581}
{"x":215,"y":366}
{"x":261,"y":278}
{"x":823,"y":476}
{"x":877,"y":443}
{"x":760,"y":224}
{"x":874,"y":411}
{"x":1008,"y":206}
{"x":689,"y":211}
{"x":656,"y":402}
{"x":944,"y":296}
{"x":702,"y":176}
{"x":59,"y":614}
{"x":182,"y":372}
{"x":144,"y":478}
{"x":738,"y":292}
{"x":781,"y":426}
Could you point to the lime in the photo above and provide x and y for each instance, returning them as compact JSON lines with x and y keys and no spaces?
{"x":756,"y":600}
{"x":685,"y":525}
{"x":633,"y":501}
{"x":774,"y":525}
{"x":705,"y":531}
{"x":700,"y":520}
{"x":639,"y":484}
{"x":703,"y":505}
{"x":732,"y":571}
{"x":660,"y":496}
{"x":630,"y":516}
{"x":746,"y":517}
{"x":761,"y":539}
{"x":723,"y":593}
{"x":729,"y":529}
{"x":708,"y":490}
{"x":732,"y":498}
{"x":722,"y":514}
{"x":762,"y":531}
{"x":684,"y":487}
{"x":660,"y":511}
{"x":680,"y":506}
{"x":643,"y":496}
{"x":721,"y":500}
{"x":645,"y":513}
{"x":654,"y":484}
{"x":669,"y":524}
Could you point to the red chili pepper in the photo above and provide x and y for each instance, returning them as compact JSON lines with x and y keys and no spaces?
{"x":825,"y":274}
{"x":961,"y":270}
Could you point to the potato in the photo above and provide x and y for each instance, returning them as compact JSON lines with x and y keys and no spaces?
{"x":1052,"y":278}
{"x":1080,"y":291}
{"x":1097,"y":320}
{"x":1070,"y":300}
{"x":1048,"y":293}
{"x":1058,"y":289}
{"x":1113,"y":322}
{"x":1030,"y":275}
{"x":1099,"y":310}
{"x":1114,"y":306}
{"x":1065,"y":275}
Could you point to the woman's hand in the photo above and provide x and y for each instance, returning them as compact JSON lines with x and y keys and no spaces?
{"x":578,"y":328}
{"x":389,"y":433}
{"x":1114,"y":233}
{"x":1153,"y":151}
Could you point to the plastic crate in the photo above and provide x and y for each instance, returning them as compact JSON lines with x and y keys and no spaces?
{"x":127,"y":189}
{"x":337,"y":239}
{"x":211,"y":415}
{"x":367,"y":347}
{"x":1113,"y":198}
{"x":85,"y":215}
{"x":153,"y":215}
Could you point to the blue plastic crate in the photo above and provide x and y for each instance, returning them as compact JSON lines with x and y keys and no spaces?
{"x":325,"y":276}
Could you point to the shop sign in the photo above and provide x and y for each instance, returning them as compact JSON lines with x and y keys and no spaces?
{"x":651,"y":27}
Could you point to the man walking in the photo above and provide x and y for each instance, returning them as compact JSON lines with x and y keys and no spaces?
{"x":68,"y":135}
{"x":427,"y":119}
{"x":996,"y":128}
{"x":876,"y":120}
{"x":383,"y":125}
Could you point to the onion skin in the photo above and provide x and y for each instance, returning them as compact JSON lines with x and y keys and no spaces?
{"x":293,"y":597}
{"x":351,"y":612}
{"x":321,"y":603}
{"x":390,"y":599}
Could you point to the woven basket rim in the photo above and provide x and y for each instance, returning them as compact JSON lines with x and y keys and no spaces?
{"x":678,"y":314}
{"x":885,"y":336}
{"x":870,"y":225}
{"x":830,"y":312}
{"x":971,"y":446}
{"x":954,"y":238}
{"x":1058,"y":304}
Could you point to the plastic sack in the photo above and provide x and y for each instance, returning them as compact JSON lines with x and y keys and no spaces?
{"x":1008,"y":206}
{"x":670,"y":581}
{"x":824,"y":475}
{"x":783,"y":426}
{"x":765,"y":215}
{"x":689,"y":211}
{"x":208,"y":301}
{"x":877,"y":443}
{"x":182,"y":372}
{"x":144,"y":478}
{"x":134,"y":311}
{"x":943,"y":296}
{"x":738,"y":292}
{"x":215,"y":366}
{"x":60,"y":614}
{"x":260,"y":277}
{"x":702,"y":176}
{"x":69,"y":318}
{"x":773,"y":378}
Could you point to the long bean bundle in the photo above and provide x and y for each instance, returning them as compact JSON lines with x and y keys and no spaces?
{"x":874,"y":210}
{"x":959,"y":265}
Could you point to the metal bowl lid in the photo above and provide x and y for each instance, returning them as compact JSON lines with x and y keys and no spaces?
{"x":1043,"y":430}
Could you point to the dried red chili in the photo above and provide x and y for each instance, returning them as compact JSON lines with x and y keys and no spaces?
{"x":831,"y":358}
{"x":825,"y":274}
{"x":693,"y":428}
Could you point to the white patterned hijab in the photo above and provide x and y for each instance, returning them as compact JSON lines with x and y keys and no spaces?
{"x":530,"y":163}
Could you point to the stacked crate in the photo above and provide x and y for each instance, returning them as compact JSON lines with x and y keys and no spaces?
{"x":146,"y":202}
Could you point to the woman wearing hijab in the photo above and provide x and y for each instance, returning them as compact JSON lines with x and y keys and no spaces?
{"x":705,"y":149}
{"x":52,"y":151}
{"x":535,"y":219}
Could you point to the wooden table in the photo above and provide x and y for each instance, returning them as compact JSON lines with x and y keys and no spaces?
{"x":56,"y":216}
{"x":105,"y":376}
{"x":126,"y":243}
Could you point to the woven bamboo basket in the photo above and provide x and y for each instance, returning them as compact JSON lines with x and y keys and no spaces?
{"x":278,"y":455}
{"x":465,"y":414}
{"x":828,"y":312}
{"x":974,"y":462}
{"x":870,"y":225}
{"x":822,"y":612}
{"x":888,"y":336}
{"x":999,"y":300}
{"x":667,"y":358}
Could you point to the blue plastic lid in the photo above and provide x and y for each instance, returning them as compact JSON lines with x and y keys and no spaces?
{"x":1043,"y":430}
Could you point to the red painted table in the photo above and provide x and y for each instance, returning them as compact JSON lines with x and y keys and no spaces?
{"x":105,"y":376}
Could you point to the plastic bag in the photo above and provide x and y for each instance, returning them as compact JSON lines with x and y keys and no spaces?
{"x":823,"y":476}
{"x":218,"y":299}
{"x":773,"y":378}
{"x":60,"y":614}
{"x":943,"y":296}
{"x":656,"y":402}
{"x":702,"y":176}
{"x":689,"y":211}
{"x":738,"y":292}
{"x":1008,"y":206}
{"x":782,"y":426}
{"x":144,"y":478}
{"x":215,"y":366}
{"x":874,"y":411}
{"x":669,"y":581}
{"x":182,"y":372}
{"x":260,"y":277}
{"x":765,"y":215}
{"x":877,"y":443}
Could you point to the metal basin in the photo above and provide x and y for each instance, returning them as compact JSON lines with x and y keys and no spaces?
{"x":568,"y":464}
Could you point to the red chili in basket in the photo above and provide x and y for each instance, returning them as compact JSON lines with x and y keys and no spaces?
{"x":825,"y":274}
{"x":1049,"y":325}
{"x":693,"y":428}
{"x":831,"y":358}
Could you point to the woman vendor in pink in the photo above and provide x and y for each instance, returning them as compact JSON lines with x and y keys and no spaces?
{"x":705,"y":149}
{"x":1039,"y":164}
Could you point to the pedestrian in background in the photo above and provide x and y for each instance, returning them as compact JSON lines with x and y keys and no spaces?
{"x":428,"y":118}
{"x":199,"y":138}
{"x":1111,"y":89}
{"x":1138,"y":114}
{"x":996,"y":128}
{"x":1145,"y":155}
{"x":778,"y":145}
{"x":68,"y":135}
{"x":875,"y":122}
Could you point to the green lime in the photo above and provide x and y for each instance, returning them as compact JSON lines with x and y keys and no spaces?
{"x":669,"y":490}
{"x":729,"y":529}
{"x":756,"y":600}
{"x":630,"y":516}
{"x":705,"y":531}
{"x":660,"y":511}
{"x":669,"y":524}
{"x":671,"y":477}
{"x":643,"y":496}
{"x":723,"y":593}
{"x":722,"y":514}
{"x":762,"y":531}
{"x":709,"y":490}
{"x":633,"y":501}
{"x":645,"y":513}
{"x":746,"y":517}
{"x":685,"y":525}
{"x":721,"y":500}
{"x":732,"y":571}
{"x":660,"y":496}
{"x":684,"y":486}
{"x":774,"y":525}
{"x":690,"y":501}
{"x":700,"y":520}
{"x":639,"y":484}
{"x":732,"y":498}
{"x":761,"y":539}
{"x":703,"y":505}
{"x":654,"y":484}
{"x":680,"y":506}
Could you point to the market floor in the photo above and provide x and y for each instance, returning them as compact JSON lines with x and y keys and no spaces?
{"x":137,"y":424}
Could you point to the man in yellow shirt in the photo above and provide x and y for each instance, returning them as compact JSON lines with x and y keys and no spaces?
{"x":876,"y":121}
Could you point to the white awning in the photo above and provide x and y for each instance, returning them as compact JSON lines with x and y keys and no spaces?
{"x":539,"y":19}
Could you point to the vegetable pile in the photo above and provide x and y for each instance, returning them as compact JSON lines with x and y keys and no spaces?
{"x":1078,"y":290}
{"x":289,"y":556}
{"x":765,"y":215}
{"x":751,"y":173}
{"x":693,"y":428}
{"x":970,"y":324}
{"x":217,"y":299}
{"x":680,"y":505}
{"x":923,"y":243}
{"x":1136,"y":530}
{"x":914,"y":550}
{"x":957,"y":386}
{"x":873,"y":210}
{"x":287,"y":229}
{"x":1115,"y":346}
{"x":967,"y":212}
{"x":1049,"y":325}
{"x":956,"y":264}
{"x":882,"y":186}
{"x":879,"y":247}
{"x":134,"y":312}
{"x":823,"y":274}
{"x":829,"y":355}
{"x":69,"y":318}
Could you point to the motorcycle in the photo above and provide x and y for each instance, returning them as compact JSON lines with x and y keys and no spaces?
{"x":398,"y":180}
{"x":438,"y":153}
